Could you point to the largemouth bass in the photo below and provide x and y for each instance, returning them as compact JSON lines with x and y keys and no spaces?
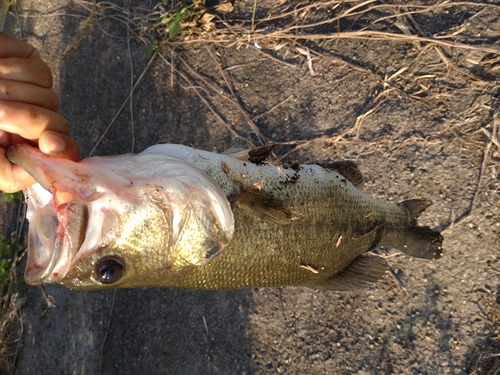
{"x":174,"y":216}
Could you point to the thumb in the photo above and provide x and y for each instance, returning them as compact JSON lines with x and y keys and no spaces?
{"x":59,"y":145}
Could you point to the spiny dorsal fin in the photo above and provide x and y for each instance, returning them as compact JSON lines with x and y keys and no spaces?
{"x":363,"y":272}
{"x":349,"y":170}
{"x":256,"y":155}
{"x":264,"y":205}
{"x":237,"y":153}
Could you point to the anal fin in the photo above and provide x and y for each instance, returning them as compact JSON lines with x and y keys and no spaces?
{"x":363,"y":272}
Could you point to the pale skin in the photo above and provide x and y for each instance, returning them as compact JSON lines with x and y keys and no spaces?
{"x":28,"y":111}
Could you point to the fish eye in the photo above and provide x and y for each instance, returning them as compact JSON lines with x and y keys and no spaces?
{"x":109,"y":270}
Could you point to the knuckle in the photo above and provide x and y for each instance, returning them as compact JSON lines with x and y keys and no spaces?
{"x":44,"y":75}
{"x":6,"y":89}
{"x":53,"y":101}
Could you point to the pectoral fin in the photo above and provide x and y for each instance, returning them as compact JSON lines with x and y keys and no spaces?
{"x":263,"y":205}
{"x":363,"y":272}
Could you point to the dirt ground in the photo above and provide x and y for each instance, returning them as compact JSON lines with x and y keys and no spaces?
{"x":409,"y":93}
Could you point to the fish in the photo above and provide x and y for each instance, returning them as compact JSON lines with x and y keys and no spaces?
{"x":175,"y":216}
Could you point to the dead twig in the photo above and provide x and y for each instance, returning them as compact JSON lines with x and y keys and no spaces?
{"x":268,"y":55}
{"x":108,"y":326}
{"x":396,"y":279}
{"x":131,"y":101}
{"x":273,"y":108}
{"x":451,"y":66}
{"x":378,"y":35}
{"x":20,"y":317}
{"x":486,"y":157}
{"x":122,"y":106}
{"x":236,"y":101}
{"x":203,"y":99}
{"x":79,"y":36}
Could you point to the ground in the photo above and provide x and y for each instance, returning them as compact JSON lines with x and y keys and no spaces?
{"x":408,"y":92}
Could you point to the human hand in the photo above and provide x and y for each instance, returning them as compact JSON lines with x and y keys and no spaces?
{"x":28,"y":109}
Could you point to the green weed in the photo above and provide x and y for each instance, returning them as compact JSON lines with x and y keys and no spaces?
{"x":13,"y":197}
{"x":172,"y":20}
{"x":184,"y":16}
{"x":152,"y":48}
{"x":9,"y":249}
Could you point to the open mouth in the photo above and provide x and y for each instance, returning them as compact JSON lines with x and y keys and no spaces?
{"x":55,"y":237}
{"x":57,"y":226}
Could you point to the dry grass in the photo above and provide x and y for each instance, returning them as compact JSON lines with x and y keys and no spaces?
{"x":296,"y":31}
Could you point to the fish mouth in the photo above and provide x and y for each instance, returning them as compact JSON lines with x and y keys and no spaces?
{"x":57,"y":227}
{"x":54,"y":239}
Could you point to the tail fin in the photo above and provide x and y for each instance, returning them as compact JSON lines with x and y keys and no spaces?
{"x":421,"y":242}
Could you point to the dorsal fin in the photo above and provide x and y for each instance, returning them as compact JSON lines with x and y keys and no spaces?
{"x":349,"y":170}
{"x":237,"y":153}
{"x":256,"y":155}
{"x":363,"y":272}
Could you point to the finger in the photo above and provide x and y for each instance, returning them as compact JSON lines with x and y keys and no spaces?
{"x":30,"y":94}
{"x":5,"y":139}
{"x":8,"y":139}
{"x":14,"y":178}
{"x":29,"y":121}
{"x":59,"y":145}
{"x":33,"y":71}
{"x":12,"y":47}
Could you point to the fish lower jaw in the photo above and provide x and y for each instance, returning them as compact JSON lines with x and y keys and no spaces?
{"x":37,"y":270}
{"x":51,"y":250}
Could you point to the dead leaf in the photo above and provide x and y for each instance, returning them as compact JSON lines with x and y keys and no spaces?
{"x":207,"y":17}
{"x":225,"y":7}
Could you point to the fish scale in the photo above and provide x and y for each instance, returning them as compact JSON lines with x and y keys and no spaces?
{"x":325,"y":206}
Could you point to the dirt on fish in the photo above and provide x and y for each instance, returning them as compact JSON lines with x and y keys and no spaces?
{"x":408,"y":94}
